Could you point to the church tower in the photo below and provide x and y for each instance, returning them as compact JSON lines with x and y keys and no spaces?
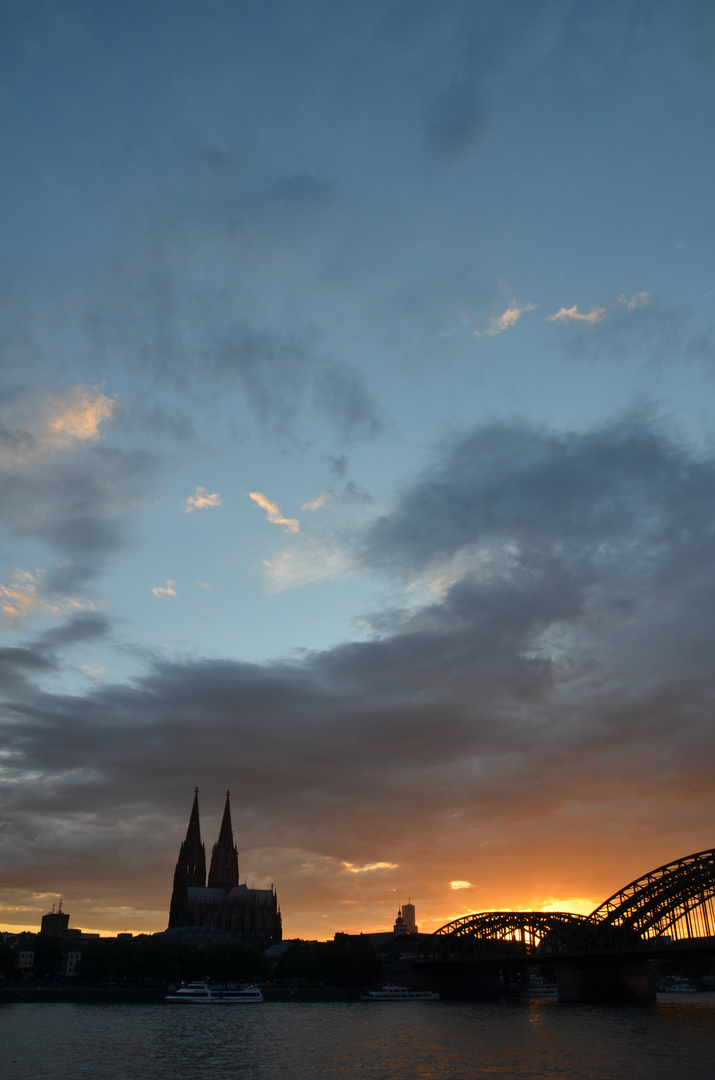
{"x":190,"y":868}
{"x":223,"y":873}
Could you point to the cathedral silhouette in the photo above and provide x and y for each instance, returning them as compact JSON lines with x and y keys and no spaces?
{"x":250,"y":915}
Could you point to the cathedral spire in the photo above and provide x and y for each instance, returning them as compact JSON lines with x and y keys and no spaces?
{"x":190,"y":868}
{"x":193,"y":833}
{"x":223,"y":873}
{"x":226,"y":834}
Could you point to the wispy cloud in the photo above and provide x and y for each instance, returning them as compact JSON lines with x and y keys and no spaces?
{"x":25,"y":595}
{"x":167,"y":590}
{"x":499,"y":323}
{"x":200,"y":500}
{"x":460,"y":885}
{"x":665,"y":330}
{"x":317,"y":502}
{"x":314,"y":562}
{"x":572,"y":314}
{"x":273,"y":513}
{"x":636,"y":300}
{"x":203,"y":585}
{"x":91,"y":672}
{"x":352,"y":869}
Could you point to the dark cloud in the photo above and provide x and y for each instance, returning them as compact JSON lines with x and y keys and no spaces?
{"x":562,"y":673}
{"x":272,"y":370}
{"x":179,"y":427}
{"x":355,"y":493}
{"x":458,"y":120}
{"x":343,"y":399}
{"x":572,"y":496}
{"x":338,"y":465}
{"x":198,"y":299}
{"x":77,"y":503}
{"x":18,"y":666}
{"x":80,"y":628}
{"x":16,"y":441}
{"x":486,"y":40}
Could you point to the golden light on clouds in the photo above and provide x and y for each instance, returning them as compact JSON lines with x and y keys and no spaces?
{"x":460,"y":885}
{"x":62,"y":422}
{"x":316,"y":503}
{"x":165,"y":590}
{"x":200,"y":500}
{"x":572,"y":314}
{"x":23,"y":596}
{"x":499,"y":323}
{"x":77,"y":414}
{"x":273,"y":513}
{"x":352,"y":869}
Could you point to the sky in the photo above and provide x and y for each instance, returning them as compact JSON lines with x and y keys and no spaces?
{"x":357,"y":452}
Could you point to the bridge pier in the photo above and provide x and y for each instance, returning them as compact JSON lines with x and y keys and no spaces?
{"x":606,"y":982}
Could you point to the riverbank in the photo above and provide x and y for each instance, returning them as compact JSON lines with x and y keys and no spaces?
{"x":143,"y":995}
{"x":82,"y":995}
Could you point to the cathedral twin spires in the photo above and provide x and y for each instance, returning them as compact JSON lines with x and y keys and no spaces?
{"x":191,"y":864}
{"x":221,"y":907}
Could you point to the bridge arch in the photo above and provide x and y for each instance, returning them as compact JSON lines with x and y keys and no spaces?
{"x":503,"y":933}
{"x":675,"y":900}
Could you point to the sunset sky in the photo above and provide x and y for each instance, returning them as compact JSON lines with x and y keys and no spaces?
{"x":357,"y":451}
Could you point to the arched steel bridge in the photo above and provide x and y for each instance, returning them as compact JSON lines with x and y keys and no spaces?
{"x":674,"y":903}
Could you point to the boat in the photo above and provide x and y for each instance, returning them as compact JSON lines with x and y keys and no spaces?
{"x":676,"y":984}
{"x":200,"y":993}
{"x":536,"y":989}
{"x":399,"y":993}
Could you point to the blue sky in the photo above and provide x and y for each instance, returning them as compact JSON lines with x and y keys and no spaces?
{"x":356,"y":450}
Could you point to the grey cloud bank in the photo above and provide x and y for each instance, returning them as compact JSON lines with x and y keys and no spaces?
{"x":566,"y":679}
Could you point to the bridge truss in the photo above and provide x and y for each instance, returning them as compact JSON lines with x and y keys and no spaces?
{"x":673,"y":903}
{"x":501,"y":934}
{"x":675,"y":900}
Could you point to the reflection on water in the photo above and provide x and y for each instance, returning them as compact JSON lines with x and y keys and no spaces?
{"x":395,"y":1041}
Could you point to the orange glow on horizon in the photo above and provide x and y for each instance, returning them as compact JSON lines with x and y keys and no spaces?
{"x":314,"y":927}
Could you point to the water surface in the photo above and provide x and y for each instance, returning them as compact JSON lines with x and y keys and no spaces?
{"x":393,"y":1041}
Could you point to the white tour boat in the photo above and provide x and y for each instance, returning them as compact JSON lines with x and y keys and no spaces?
{"x":200,"y":993}
{"x":399,"y":993}
{"x":677,"y":985}
{"x":536,"y":989}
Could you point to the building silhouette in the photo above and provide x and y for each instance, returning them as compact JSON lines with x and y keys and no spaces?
{"x":405,"y":921}
{"x":55,"y":923}
{"x":225,"y":906}
{"x":408,"y":914}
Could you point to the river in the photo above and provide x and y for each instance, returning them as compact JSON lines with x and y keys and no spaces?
{"x":672,"y":1040}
